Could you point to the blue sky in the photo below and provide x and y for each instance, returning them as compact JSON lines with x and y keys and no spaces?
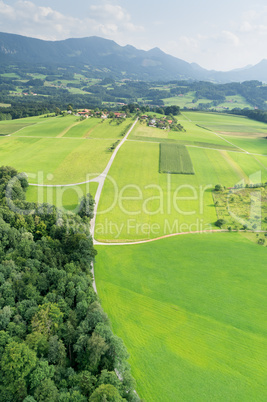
{"x":219,"y":35}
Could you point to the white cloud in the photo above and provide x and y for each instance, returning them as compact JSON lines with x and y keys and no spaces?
{"x":254,"y":22}
{"x":207,"y":50}
{"x":6,"y":11}
{"x":108,"y":11}
{"x":28,"y":19}
{"x":246,"y":27}
{"x":229,"y":38}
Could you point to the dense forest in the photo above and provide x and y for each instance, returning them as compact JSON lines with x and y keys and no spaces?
{"x":259,"y":115}
{"x":56,"y":343}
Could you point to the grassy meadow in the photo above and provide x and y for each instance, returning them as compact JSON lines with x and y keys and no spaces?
{"x":191,"y":311}
{"x":148,"y":204}
{"x":189,"y":308}
{"x":194,"y":135}
{"x":61,"y":150}
{"x":83,"y":128}
{"x":63,"y":197}
{"x":48,"y":127}
{"x":58,"y":160}
{"x":188,"y":100}
{"x":12,"y":126}
{"x":227,"y":124}
{"x":160,"y":204}
{"x":97,"y":128}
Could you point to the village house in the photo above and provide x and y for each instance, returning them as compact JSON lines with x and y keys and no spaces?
{"x":120,"y":115}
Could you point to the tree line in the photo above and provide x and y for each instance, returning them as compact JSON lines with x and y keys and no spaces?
{"x":56,"y":343}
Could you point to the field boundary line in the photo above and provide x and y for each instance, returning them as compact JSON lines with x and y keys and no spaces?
{"x":87,"y":134}
{"x":99,"y":243}
{"x":61,"y":138}
{"x":193,"y":146}
{"x":254,"y":156}
{"x":238,"y":170}
{"x":218,"y":135}
{"x":60,"y":135}
{"x":66,"y":185}
{"x":132,"y":243}
{"x":100,"y":177}
{"x":197,"y":146}
{"x":22,"y":128}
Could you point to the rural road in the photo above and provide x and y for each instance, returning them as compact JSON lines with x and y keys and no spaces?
{"x":101,"y":179}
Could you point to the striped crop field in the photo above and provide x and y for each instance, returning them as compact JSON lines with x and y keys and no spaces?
{"x":174,"y":158}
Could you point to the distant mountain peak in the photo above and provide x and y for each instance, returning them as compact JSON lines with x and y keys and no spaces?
{"x":156,"y":50}
{"x":105,"y":57}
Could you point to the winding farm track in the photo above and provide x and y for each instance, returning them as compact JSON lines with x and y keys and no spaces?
{"x":97,"y":243}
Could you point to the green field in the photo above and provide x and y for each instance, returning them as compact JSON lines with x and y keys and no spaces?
{"x":59,"y":150}
{"x":160,"y":204}
{"x":254,"y":166}
{"x":194,"y":135}
{"x":228,"y":124}
{"x":10,"y":75}
{"x":82,"y":129}
{"x":12,"y":126}
{"x":188,"y":100}
{"x":98,"y":128}
{"x":111,"y":130}
{"x":62,"y":197}
{"x":49,"y":127}
{"x":68,"y":160}
{"x":235,"y":101}
{"x":6,"y":129}
{"x":257,"y":145}
{"x":191,"y":310}
{"x":249,"y":135}
{"x":175,"y":159}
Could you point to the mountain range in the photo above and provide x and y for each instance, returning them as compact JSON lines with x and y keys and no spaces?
{"x":116,"y":61}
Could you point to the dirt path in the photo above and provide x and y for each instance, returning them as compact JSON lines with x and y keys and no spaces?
{"x":86,"y":135}
{"x":67,"y":129}
{"x":97,"y":243}
{"x":101,"y":179}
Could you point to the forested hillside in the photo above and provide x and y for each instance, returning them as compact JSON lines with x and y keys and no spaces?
{"x":56,"y":343}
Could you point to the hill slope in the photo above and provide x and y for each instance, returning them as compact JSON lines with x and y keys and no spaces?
{"x":118,"y":61}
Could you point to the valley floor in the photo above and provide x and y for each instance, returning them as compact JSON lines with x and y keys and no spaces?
{"x":190,"y":309}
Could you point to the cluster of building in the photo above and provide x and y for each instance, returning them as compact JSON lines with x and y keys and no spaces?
{"x":161,"y":122}
{"x":89,"y":113}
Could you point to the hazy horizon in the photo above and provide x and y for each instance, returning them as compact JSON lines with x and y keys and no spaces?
{"x":221,"y":36}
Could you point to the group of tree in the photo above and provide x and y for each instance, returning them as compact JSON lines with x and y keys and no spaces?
{"x":56,"y":343}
